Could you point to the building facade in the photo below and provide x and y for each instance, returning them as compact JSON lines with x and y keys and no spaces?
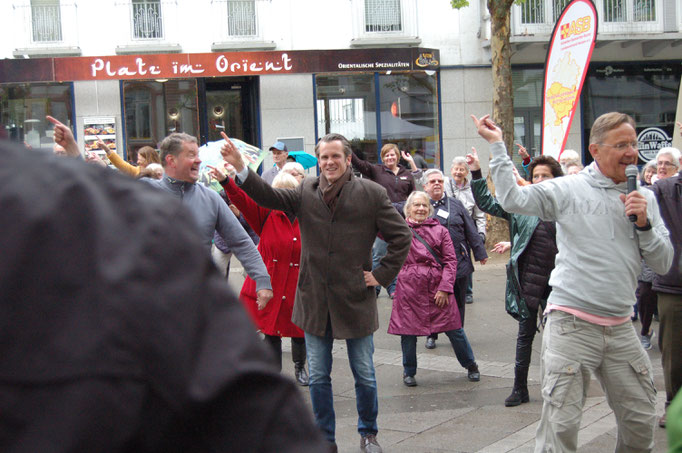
{"x":378,"y":71}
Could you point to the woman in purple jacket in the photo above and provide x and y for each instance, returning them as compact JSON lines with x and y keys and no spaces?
{"x":424,"y":301}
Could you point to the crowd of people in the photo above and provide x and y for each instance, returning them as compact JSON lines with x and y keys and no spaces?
{"x":317,"y":250}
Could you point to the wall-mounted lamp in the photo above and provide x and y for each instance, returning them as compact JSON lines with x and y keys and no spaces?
{"x":218,"y":111}
{"x":173,"y":113}
{"x":161,"y":80}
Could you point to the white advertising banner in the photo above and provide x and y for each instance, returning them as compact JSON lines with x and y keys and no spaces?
{"x":568,"y":57}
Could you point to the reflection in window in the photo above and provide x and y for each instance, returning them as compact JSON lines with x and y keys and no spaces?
{"x":46,"y":21}
{"x":147,"y":19}
{"x":241,"y":17}
{"x":382,"y":16}
{"x":154,"y":109}
{"x":409,"y":113}
{"x":346,"y":105}
{"x":23,"y":108}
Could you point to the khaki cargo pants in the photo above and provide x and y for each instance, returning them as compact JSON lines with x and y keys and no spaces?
{"x":571,"y":350}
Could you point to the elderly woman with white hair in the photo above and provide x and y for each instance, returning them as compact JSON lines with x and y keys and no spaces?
{"x":424,"y":301}
{"x":458,"y":186}
{"x":667,"y":163}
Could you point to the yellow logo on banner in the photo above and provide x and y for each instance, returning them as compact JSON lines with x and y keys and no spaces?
{"x":576,"y":27}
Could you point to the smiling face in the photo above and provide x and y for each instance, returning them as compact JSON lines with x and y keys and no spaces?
{"x":434,"y":186}
{"x":648,"y":173}
{"x":333,"y":163}
{"x":419,"y":209}
{"x":390,"y":159}
{"x":184,"y":166}
{"x":665,"y":166}
{"x":141,"y":161}
{"x":616,"y":152}
{"x":459,"y":173}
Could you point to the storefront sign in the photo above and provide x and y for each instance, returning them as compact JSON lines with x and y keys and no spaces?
{"x":569,"y":54}
{"x":651,"y":140}
{"x":166,"y":66}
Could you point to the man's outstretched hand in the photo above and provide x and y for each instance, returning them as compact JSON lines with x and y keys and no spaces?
{"x":63,"y":136}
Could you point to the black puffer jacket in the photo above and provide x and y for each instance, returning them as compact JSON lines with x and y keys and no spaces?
{"x":536,"y":264}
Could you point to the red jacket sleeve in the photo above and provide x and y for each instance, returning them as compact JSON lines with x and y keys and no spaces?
{"x":255,"y":215}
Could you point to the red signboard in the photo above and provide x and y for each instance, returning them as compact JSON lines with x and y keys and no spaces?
{"x":166,"y":66}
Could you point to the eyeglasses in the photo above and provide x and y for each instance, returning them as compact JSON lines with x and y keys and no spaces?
{"x":622,"y":146}
{"x":666,"y":165}
{"x":435,"y":181}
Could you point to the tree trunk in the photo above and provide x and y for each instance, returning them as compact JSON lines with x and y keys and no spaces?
{"x":503,"y":96}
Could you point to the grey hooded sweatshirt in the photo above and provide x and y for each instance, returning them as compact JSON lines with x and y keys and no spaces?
{"x":599,"y":249}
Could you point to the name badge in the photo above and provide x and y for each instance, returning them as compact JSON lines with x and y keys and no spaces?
{"x":442,"y":213}
{"x":403,"y":178}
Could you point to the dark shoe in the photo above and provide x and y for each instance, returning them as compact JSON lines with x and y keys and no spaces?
{"x":430,"y":343}
{"x":661,"y":421}
{"x":391,"y":295}
{"x":333,"y":448}
{"x":517,"y":397}
{"x":301,"y":374}
{"x":369,"y":444}
{"x":409,"y":381}
{"x":469,"y":299}
{"x":473,"y":374}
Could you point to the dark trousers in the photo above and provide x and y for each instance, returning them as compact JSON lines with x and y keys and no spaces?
{"x":670,"y":341}
{"x":646,"y":302}
{"x":458,"y":340}
{"x":459,"y":290}
{"x":297,"y":349}
{"x":524,"y":339}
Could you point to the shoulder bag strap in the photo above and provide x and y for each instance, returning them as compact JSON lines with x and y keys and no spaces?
{"x":428,"y":247}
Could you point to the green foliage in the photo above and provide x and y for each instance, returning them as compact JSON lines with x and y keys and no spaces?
{"x":457,"y":4}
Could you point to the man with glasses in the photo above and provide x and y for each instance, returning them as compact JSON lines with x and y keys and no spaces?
{"x":588,"y":329}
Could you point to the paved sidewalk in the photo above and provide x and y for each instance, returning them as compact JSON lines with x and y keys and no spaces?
{"x":446,"y":412}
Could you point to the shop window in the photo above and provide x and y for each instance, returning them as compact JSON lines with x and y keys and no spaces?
{"x":407,"y":112}
{"x":647,"y":92}
{"x":23,"y":108}
{"x":147,"y":19}
{"x":346,"y":105}
{"x":241,"y":18}
{"x":382,"y":16}
{"x":625,"y":10}
{"x":154,"y":110}
{"x":46,"y":21}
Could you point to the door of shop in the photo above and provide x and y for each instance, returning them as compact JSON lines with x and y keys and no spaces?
{"x":230,"y":105}
{"x":527,"y":129}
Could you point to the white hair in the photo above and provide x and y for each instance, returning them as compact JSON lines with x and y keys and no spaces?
{"x":569,"y":155}
{"x":674,"y":153}
{"x":427,"y":173}
{"x":295,"y":166}
{"x":284,"y":181}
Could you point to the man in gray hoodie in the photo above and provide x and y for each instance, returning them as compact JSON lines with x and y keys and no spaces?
{"x":588,"y":329}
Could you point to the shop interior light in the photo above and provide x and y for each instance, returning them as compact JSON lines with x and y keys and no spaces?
{"x":161,"y":80}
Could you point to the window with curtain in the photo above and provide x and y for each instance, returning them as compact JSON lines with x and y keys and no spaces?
{"x":46,"y":21}
{"x":383,"y":16}
{"x":241,"y":17}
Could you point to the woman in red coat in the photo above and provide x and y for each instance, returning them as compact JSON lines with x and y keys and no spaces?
{"x":280,"y":247}
{"x":424,"y":301}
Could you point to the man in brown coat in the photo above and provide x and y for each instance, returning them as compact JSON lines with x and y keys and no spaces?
{"x":339,"y":216}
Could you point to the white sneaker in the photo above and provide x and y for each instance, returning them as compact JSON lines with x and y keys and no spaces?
{"x":646,"y":340}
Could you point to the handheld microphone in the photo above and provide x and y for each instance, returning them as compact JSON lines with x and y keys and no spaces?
{"x":631,"y":174}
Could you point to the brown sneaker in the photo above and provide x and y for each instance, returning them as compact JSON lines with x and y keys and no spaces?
{"x":369,"y":444}
{"x":661,"y":421}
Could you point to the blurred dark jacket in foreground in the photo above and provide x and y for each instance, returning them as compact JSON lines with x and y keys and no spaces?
{"x":117,"y":333}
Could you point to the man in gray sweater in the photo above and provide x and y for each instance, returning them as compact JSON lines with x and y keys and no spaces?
{"x":588,"y":329}
{"x":180,"y":160}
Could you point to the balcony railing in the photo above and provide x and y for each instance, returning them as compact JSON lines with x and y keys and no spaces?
{"x":45,"y":26}
{"x":537,"y":17}
{"x":384,"y":18}
{"x":238,"y":20}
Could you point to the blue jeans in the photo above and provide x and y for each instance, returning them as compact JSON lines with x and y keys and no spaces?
{"x":458,"y":339}
{"x":379,"y":250}
{"x":360,"y":352}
